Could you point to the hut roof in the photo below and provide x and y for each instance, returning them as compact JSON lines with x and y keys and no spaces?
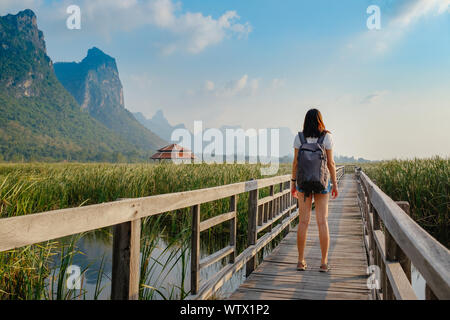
{"x":173,"y":151}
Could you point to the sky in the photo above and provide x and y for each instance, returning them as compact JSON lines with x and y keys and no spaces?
{"x":384,"y":93}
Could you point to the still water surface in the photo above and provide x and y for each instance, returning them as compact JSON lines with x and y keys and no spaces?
{"x":94,"y":249}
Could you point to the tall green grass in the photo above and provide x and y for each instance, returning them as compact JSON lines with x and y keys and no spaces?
{"x":425,"y":184}
{"x":31,"y":188}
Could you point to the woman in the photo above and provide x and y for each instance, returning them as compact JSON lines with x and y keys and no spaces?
{"x":313,"y":128}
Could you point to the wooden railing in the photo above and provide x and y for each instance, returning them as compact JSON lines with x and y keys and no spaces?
{"x":393,"y":240}
{"x":125,"y":216}
{"x":262,"y":215}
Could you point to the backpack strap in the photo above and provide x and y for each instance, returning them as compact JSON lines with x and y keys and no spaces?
{"x":302,"y":138}
{"x":322,"y":138}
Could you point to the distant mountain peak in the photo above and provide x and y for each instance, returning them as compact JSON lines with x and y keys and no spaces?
{"x":158,"y":124}
{"x":96,"y":57}
{"x":48,"y":124}
{"x":159,"y":116}
{"x":96,"y":85}
{"x":23,"y":54}
{"x":27,"y":13}
{"x":95,"y":52}
{"x":25,"y":23}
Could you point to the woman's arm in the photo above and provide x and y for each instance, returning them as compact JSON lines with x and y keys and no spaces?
{"x":294,"y":174}
{"x":332,"y":168}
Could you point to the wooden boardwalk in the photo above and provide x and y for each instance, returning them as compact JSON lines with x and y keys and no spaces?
{"x":277,"y":278}
{"x":383,"y":227}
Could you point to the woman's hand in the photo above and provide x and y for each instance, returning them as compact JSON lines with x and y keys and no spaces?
{"x":293,"y":189}
{"x":334,"y":191}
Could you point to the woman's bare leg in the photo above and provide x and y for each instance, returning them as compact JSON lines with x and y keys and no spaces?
{"x":304,"y":208}
{"x":321,"y":209}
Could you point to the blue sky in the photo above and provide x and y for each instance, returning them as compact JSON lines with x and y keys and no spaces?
{"x":263,"y":63}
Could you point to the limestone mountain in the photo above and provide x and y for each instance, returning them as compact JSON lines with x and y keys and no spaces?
{"x":158,"y":123}
{"x":39,"y":119}
{"x":95,"y":84}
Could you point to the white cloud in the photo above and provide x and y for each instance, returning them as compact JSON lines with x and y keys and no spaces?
{"x":184,"y":31}
{"x":418,"y":9}
{"x":391,"y":32}
{"x":13,"y":6}
{"x":242,"y":86}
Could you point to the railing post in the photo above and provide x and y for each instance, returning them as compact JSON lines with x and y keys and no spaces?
{"x":376,"y":253}
{"x":195,"y":249}
{"x":288,"y":205}
{"x":260,"y":215}
{"x":405,"y":262}
{"x":266,"y":212}
{"x":429,"y":294}
{"x":376,"y":218}
{"x":233,"y":227}
{"x":391,"y":255}
{"x":125,"y":260}
{"x":252,"y":224}
{"x":271,"y":205}
{"x":280,"y":200}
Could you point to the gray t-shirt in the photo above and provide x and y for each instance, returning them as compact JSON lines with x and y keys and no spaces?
{"x":327,"y":141}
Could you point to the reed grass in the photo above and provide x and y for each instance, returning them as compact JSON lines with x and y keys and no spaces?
{"x":425,"y":184}
{"x":30,"y":273}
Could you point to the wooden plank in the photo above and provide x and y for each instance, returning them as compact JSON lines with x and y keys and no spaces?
{"x":214,"y":221}
{"x":400,"y":284}
{"x":430,"y":257}
{"x":405,"y":262}
{"x":195,"y":249}
{"x":20,"y":231}
{"x":126,"y":260}
{"x":252,"y":226}
{"x":260,"y":215}
{"x":273,"y":197}
{"x":429,"y":295}
{"x":391,"y":256}
{"x":397,"y":278}
{"x":233,"y":227}
{"x":277,"y":278}
{"x":218,"y":280}
{"x":272,"y":221}
{"x":271,"y":204}
{"x":217,"y":256}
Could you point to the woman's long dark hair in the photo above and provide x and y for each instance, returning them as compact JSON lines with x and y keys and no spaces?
{"x":313,"y":125}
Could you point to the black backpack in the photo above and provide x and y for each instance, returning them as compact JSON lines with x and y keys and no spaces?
{"x":312,"y":170}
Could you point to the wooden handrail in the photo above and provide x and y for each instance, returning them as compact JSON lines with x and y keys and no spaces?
{"x":263,"y":213}
{"x":29,"y":229}
{"x":125,"y":215}
{"x":402,"y":237}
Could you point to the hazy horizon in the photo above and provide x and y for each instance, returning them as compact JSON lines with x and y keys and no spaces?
{"x":262,"y":64}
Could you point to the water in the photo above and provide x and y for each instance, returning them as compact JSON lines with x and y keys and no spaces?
{"x":168,"y":280}
{"x":418,"y":283}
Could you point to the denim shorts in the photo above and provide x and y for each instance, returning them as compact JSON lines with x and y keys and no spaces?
{"x":327,"y":190}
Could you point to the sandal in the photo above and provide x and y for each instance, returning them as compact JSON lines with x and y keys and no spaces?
{"x":301,"y":265}
{"x":324,"y":267}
